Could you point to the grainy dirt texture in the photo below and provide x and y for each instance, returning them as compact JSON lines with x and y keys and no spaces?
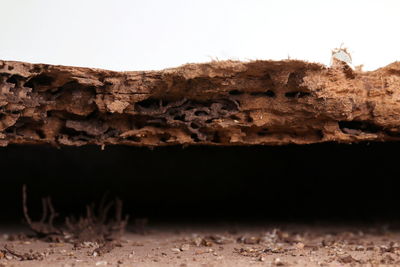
{"x":208,"y":246}
{"x":217,"y":103}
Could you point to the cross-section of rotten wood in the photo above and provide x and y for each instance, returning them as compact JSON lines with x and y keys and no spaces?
{"x":217,"y":103}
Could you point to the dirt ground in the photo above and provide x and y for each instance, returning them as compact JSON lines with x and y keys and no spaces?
{"x":222,"y":245}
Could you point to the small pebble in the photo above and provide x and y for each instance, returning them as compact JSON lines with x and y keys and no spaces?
{"x":185,"y":247}
{"x":278,"y":262}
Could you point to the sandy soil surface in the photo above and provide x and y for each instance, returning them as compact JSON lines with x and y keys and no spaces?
{"x":290,"y":245}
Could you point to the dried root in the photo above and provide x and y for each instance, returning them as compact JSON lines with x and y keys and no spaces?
{"x":96,"y":226}
{"x":44,"y":229}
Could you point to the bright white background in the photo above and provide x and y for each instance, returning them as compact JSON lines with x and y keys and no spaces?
{"x":155,"y":34}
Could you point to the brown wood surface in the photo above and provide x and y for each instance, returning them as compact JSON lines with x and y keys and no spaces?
{"x":216,"y":103}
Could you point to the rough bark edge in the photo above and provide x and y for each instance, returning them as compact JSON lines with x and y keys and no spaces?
{"x":216,"y":103}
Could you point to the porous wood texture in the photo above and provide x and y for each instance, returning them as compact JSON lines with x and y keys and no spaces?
{"x":216,"y":103}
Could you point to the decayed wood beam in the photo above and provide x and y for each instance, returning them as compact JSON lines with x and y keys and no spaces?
{"x":216,"y":103}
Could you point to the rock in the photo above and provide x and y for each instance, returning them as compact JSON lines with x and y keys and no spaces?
{"x":299,"y":245}
{"x":347,"y":259}
{"x":278,"y":262}
{"x":185,"y":247}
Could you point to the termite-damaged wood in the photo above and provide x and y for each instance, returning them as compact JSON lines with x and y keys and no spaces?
{"x":217,"y":103}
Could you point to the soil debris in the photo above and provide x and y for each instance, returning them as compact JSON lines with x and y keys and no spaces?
{"x":22,"y":256}
{"x":166,"y":247}
{"x":210,"y":240}
{"x":105,"y":248}
{"x":347,"y":259}
{"x":254,"y":252}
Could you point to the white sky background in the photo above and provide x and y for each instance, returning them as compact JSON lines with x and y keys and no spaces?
{"x":156,"y":34}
